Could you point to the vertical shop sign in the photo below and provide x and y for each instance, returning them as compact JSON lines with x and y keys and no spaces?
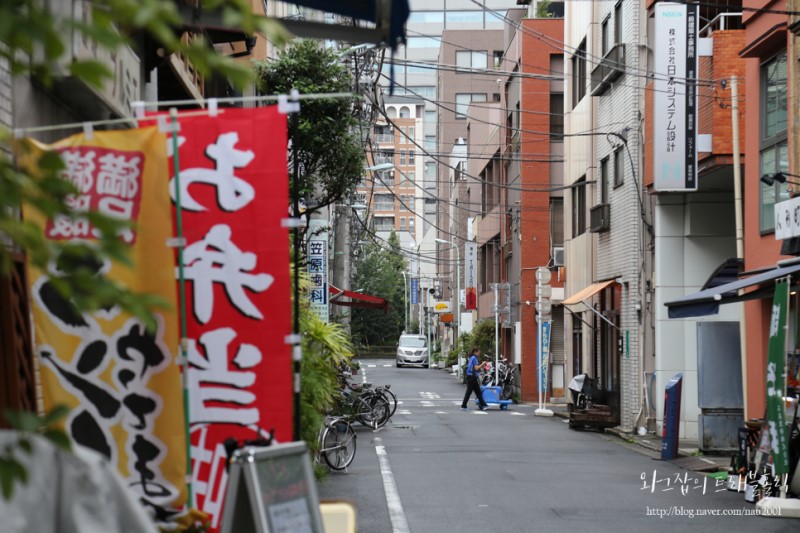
{"x":471,"y":274}
{"x":317,"y":265}
{"x":776,"y":379}
{"x":234,"y":194}
{"x":414,"y":291}
{"x":675,"y":97}
{"x":121,"y":381}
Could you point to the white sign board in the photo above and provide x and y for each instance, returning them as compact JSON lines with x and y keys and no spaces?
{"x":675,"y":98}
{"x":787,"y":219}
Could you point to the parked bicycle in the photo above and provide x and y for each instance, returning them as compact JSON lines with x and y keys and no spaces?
{"x":362,"y":404}
{"x":337,"y":442}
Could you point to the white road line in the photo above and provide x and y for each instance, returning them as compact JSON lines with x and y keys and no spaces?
{"x":371,"y":366}
{"x":479,"y":412}
{"x":386,"y":366}
{"x":403,"y":412}
{"x":442,"y":413}
{"x":396,"y":512}
{"x":516,"y":413}
{"x":426,"y":403}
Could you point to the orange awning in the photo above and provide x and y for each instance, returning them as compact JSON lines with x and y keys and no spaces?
{"x":587,"y":292}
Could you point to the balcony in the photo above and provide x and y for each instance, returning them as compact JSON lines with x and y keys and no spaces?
{"x":600,"y":218}
{"x":611,"y":67}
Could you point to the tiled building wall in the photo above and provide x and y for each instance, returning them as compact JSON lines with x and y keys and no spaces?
{"x":621,"y":249}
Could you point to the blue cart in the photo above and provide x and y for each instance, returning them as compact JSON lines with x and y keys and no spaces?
{"x":491,"y":395}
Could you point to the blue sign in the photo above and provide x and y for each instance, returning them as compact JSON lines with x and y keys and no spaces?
{"x":544,"y":356}
{"x":414,"y":291}
{"x":672,"y":415}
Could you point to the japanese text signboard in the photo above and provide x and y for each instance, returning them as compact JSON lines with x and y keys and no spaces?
{"x":317,"y":265}
{"x":776,"y":379}
{"x":120,"y":381}
{"x":675,"y":97}
{"x":234,"y":194}
{"x":471,"y":274}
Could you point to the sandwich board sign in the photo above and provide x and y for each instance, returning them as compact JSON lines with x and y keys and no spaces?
{"x":272,"y":490}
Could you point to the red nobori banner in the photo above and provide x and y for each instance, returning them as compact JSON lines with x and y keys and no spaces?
{"x":234,"y":194}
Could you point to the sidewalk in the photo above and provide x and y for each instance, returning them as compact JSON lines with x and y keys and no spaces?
{"x":689,"y":455}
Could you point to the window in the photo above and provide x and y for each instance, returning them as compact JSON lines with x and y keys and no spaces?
{"x":411,"y":155}
{"x":423,"y":91}
{"x":384,"y":202}
{"x":495,"y":21}
{"x":774,"y":156}
{"x":405,"y":112}
{"x":391,"y":112}
{"x":383,"y":223}
{"x":464,"y":16}
{"x":464,"y":99}
{"x":497,"y":58}
{"x":410,"y":134}
{"x":579,"y":73}
{"x":470,"y":59}
{"x":411,"y":224}
{"x":557,"y":221}
{"x":430,"y":143}
{"x":619,"y":166}
{"x":605,"y":37}
{"x":411,"y":176}
{"x":618,"y":23}
{"x":430,"y":169}
{"x":402,"y":223}
{"x":579,"y":207}
{"x":604,"y":181}
{"x":402,"y":157}
{"x":422,"y":42}
{"x":556,"y":117}
{"x":384,"y":156}
{"x":426,"y":17}
{"x":430,"y":117}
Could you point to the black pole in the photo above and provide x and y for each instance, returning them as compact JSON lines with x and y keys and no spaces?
{"x":296,"y":350}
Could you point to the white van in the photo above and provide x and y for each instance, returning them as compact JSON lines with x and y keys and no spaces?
{"x":412,"y":350}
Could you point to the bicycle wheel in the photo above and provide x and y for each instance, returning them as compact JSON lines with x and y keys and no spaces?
{"x":389,"y":396}
{"x":338,"y":445}
{"x":372,"y":410}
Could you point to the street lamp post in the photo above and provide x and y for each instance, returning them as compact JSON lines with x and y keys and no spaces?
{"x":458,"y":297}
{"x":405,"y":299}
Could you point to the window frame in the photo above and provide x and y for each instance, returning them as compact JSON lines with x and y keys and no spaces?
{"x":619,"y":166}
{"x":579,"y":226}
{"x":579,"y":79}
{"x":604,"y":180}
{"x":775,"y":145}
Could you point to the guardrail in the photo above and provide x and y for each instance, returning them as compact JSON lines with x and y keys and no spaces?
{"x":376,"y":352}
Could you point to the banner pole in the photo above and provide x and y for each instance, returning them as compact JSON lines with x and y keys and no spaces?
{"x":173,"y":113}
{"x":297,"y":352}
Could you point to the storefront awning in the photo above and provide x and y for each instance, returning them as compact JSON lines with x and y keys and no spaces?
{"x":588,"y":292}
{"x":357,"y":299}
{"x":707,"y":301}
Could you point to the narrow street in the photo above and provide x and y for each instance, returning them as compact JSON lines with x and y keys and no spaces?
{"x":449,"y":470}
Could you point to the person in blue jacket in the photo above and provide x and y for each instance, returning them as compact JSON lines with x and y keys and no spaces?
{"x":473,"y":367}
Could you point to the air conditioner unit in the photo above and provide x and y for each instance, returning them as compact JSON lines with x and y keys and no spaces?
{"x":599,"y":216}
{"x":558,"y":256}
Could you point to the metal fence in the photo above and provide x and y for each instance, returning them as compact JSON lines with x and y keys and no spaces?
{"x":376,"y":352}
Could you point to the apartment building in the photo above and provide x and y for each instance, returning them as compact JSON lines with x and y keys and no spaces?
{"x":607,"y":236}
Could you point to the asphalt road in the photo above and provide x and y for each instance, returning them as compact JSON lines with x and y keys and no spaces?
{"x":435,"y":468}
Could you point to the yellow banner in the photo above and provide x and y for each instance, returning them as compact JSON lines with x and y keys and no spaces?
{"x":121,"y":381}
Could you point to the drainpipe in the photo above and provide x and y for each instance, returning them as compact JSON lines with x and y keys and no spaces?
{"x":737,"y":199}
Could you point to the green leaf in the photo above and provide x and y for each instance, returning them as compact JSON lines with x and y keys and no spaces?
{"x":55,"y":414}
{"x":90,"y":71}
{"x":59,"y":438}
{"x":22,"y":420}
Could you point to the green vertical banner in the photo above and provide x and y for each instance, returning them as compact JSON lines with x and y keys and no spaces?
{"x":776,"y":379}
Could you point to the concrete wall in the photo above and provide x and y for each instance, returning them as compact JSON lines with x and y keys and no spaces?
{"x":694,"y":235}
